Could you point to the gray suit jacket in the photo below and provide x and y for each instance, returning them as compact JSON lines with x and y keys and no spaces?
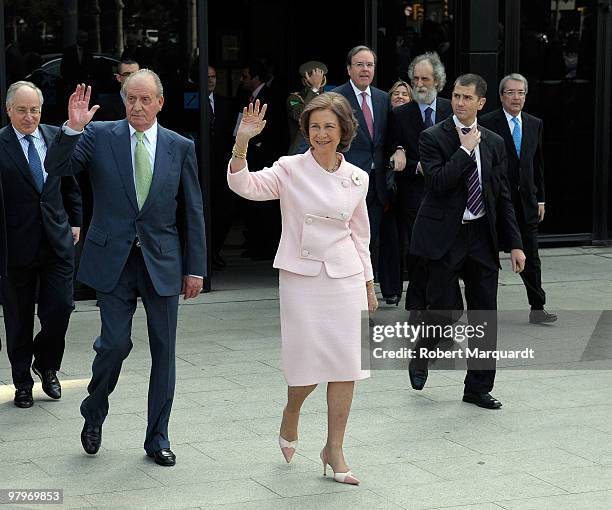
{"x":170,"y":225}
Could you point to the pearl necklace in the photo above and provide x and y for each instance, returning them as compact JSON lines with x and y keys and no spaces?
{"x":334,"y":168}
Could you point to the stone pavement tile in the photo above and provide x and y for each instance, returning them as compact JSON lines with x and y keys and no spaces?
{"x":430,"y":428}
{"x":275,"y":382}
{"x":234,"y":356}
{"x":385,"y":477}
{"x":372,"y":455}
{"x":530,"y":461}
{"x":232,"y":368}
{"x":597,"y":417}
{"x":473,"y":491}
{"x":361,"y":498}
{"x":12,"y":416}
{"x":587,"y":500}
{"x":17,"y":473}
{"x":235,"y":396}
{"x":302,"y":484}
{"x":68,"y":503}
{"x":66,"y":428}
{"x":577,"y":479}
{"x":110,"y":479}
{"x":560,"y":436}
{"x":184,"y":496}
{"x":185,"y":386}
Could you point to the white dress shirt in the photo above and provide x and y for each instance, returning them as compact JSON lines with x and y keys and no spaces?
{"x":360,"y":97}
{"x":150,"y":142}
{"x":424,"y":107}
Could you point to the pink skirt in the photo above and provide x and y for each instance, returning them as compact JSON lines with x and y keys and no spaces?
{"x":321,"y":327}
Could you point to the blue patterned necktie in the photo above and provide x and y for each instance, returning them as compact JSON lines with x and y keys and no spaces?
{"x":35,"y":164}
{"x":428,"y":121}
{"x":475,"y":204}
{"x":516,"y":136}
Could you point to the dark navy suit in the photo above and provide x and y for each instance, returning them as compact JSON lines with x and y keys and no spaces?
{"x":370,"y":154}
{"x":40,"y":258}
{"x":130,"y":252}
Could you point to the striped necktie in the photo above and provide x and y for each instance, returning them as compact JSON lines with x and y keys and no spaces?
{"x":475,"y":203}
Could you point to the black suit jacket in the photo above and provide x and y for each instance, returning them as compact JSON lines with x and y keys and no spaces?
{"x":364,"y":151}
{"x":30,"y":214}
{"x":445,"y":166}
{"x":405,"y":128}
{"x":526,"y":175}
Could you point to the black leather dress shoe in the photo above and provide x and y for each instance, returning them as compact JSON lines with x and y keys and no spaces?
{"x":23,"y":398}
{"x":482,"y":400}
{"x":50,"y":382}
{"x":541,"y":317}
{"x":91,"y":438}
{"x":392,"y":300}
{"x":418,"y":376}
{"x":163,"y":457}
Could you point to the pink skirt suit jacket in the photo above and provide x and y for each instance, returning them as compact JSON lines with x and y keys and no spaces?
{"x":323,"y":260}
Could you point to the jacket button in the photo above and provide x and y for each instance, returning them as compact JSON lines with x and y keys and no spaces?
{"x":345,"y":183}
{"x":305,"y":253}
{"x":308,"y":221}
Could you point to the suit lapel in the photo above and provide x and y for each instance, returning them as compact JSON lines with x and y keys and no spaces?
{"x":120,"y":146}
{"x":163,"y":163}
{"x":485,"y":163}
{"x":47,"y":136}
{"x":504,"y":128}
{"x":525,"y":132}
{"x":15,"y":152}
{"x":417,"y":118}
{"x":378,"y":103}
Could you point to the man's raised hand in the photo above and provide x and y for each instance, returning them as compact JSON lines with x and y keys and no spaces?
{"x":79,"y":113}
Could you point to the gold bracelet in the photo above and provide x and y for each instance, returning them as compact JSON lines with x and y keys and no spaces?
{"x":239,"y":153}
{"x":370,"y":283}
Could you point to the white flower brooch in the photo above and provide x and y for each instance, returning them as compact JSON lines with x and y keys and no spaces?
{"x":356,"y":179}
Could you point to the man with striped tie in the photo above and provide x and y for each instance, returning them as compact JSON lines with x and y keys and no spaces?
{"x":466,"y":198}
{"x":522,"y":134}
{"x":43,"y":220}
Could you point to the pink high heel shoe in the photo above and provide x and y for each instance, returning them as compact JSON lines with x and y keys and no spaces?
{"x":338,"y":477}
{"x":287,"y":448}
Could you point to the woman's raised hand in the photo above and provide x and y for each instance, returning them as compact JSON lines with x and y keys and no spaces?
{"x":252,"y":122}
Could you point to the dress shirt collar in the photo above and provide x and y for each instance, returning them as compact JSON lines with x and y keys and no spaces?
{"x":36,"y":134}
{"x":423,"y":106}
{"x":460,"y":125}
{"x":510,"y":117}
{"x":150,"y":134}
{"x":358,"y":92}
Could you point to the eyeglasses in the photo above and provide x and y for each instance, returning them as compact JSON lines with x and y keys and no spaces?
{"x":211,"y":76}
{"x":514,"y":93}
{"x":363,"y":65}
{"x":125,"y":74}
{"x":25,"y":111}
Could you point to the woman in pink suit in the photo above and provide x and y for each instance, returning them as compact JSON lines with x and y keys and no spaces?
{"x":325,"y":275}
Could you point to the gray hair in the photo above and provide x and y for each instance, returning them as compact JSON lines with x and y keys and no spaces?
{"x":512,"y":76}
{"x":357,"y":49}
{"x":145,"y":72}
{"x":12,"y":90}
{"x":439,"y":72}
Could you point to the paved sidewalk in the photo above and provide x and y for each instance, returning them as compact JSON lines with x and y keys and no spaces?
{"x":549,"y":447}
